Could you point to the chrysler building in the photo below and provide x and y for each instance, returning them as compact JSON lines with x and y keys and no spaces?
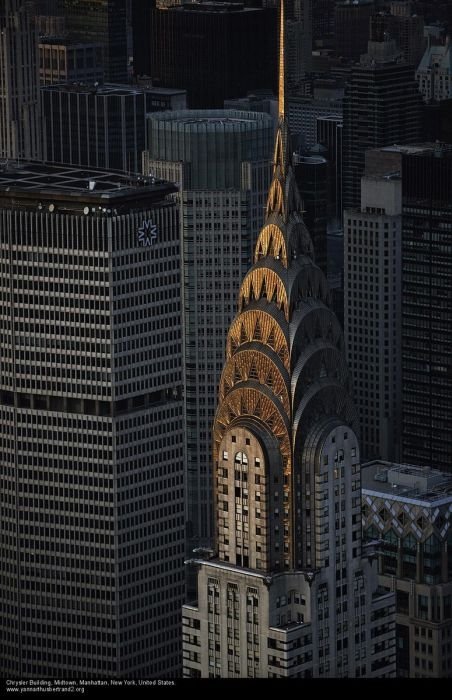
{"x":289,"y":591}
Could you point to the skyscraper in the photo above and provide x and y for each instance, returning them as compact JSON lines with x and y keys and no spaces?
{"x":426,"y":297}
{"x":351,"y":27}
{"x":19,"y":88}
{"x":322,"y":18}
{"x":141,"y":28}
{"x":427,"y":306}
{"x":215,"y":50}
{"x":298,"y":40}
{"x":100,"y":126}
{"x":102,"y":21}
{"x":220,"y":160}
{"x":381,"y":107}
{"x":287,"y":592}
{"x":372,"y":311}
{"x":303,"y":112}
{"x":311,"y":171}
{"x":91,"y":425}
{"x":329,"y":134}
{"x":63,"y":61}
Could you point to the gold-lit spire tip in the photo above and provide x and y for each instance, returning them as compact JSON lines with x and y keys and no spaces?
{"x":281,"y":77}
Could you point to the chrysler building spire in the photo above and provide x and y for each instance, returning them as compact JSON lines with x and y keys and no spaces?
{"x":286,"y":473}
{"x":282,"y":75}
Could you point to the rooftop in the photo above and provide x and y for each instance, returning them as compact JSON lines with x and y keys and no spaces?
{"x":211,"y":6}
{"x":407,"y":483}
{"x":25,"y":185}
{"x":106,"y":89}
{"x":218,"y":119}
{"x":415,"y":148}
{"x":66,"y":42}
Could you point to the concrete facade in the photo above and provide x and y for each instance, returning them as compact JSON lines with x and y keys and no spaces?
{"x":220,"y":161}
{"x":372,"y":311}
{"x":408,"y":509}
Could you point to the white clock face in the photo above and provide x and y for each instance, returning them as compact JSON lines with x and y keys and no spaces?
{"x":147,"y":233}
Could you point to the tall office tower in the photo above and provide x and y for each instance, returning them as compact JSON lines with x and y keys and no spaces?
{"x":287,"y":593}
{"x":426,"y":170}
{"x":91,"y":426}
{"x":62,"y":61}
{"x":434,"y":73}
{"x":298,"y":41}
{"x":221,"y":162}
{"x":351,"y":27}
{"x":381,"y":107}
{"x":141,"y":27}
{"x":102,"y":21}
{"x":322,"y":18}
{"x":101,"y":126}
{"x":20,"y":135}
{"x":329,"y":134}
{"x":311,"y":170}
{"x":372,"y":311}
{"x":409,"y":510}
{"x":409,"y":30}
{"x":303,"y":112}
{"x":427,"y":307}
{"x":215,"y":50}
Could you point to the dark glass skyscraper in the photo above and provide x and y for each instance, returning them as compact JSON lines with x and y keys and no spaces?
{"x":102,"y":21}
{"x":19,"y":89}
{"x":351,"y":27}
{"x":311,"y":174}
{"x":381,"y":107}
{"x":100,"y":126}
{"x":213,"y":50}
{"x":427,"y":308}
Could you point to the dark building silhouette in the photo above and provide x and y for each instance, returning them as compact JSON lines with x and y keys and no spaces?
{"x":214,"y":50}
{"x":351,"y":27}
{"x":382,"y":106}
{"x":141,"y":28}
{"x":329,"y":134}
{"x":311,"y":170}
{"x":101,"y":126}
{"x":102,"y":21}
{"x":427,"y":307}
{"x":437,"y":121}
{"x":19,"y":88}
{"x":322,"y":18}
